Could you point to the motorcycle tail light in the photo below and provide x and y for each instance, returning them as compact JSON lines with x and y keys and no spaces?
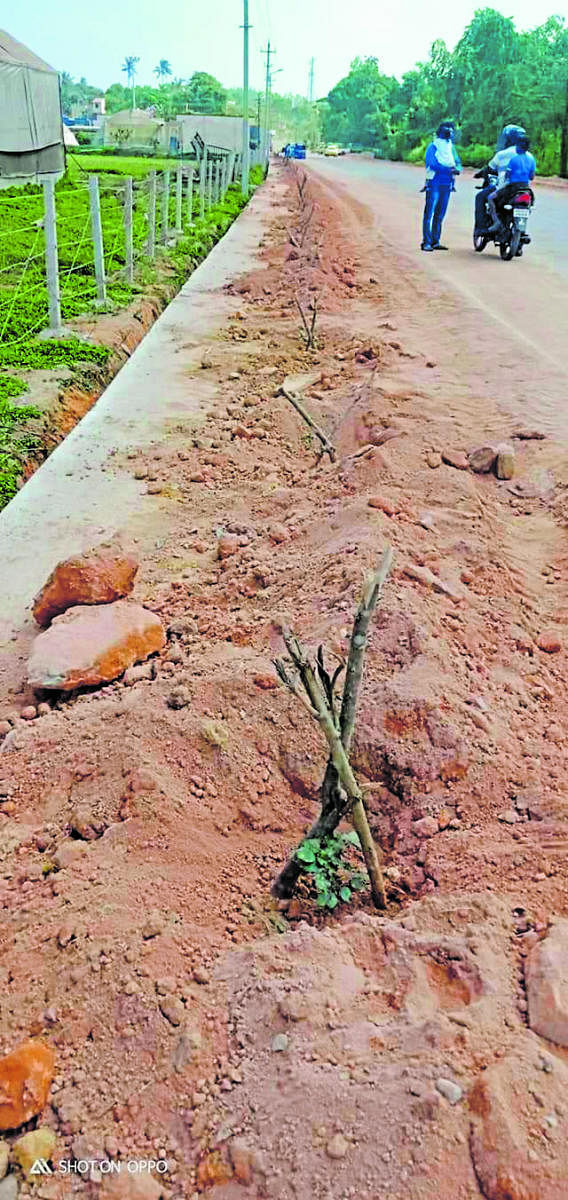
{"x":523,"y":198}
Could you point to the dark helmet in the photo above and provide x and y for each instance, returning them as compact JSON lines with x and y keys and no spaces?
{"x":445,"y":130}
{"x":523,"y":144}
{"x":509,"y":135}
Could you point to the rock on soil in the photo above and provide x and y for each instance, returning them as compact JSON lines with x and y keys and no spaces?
{"x":546,"y":974}
{"x":505,"y":465}
{"x":482,"y":459}
{"x":99,"y":576}
{"x":25,"y":1080}
{"x":38,"y":1143}
{"x":88,"y":646}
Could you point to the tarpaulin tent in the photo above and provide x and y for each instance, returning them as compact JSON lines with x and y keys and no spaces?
{"x":31,"y":128}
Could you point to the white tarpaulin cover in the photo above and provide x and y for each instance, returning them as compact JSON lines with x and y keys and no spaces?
{"x":31,"y":132}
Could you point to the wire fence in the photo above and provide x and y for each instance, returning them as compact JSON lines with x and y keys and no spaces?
{"x":71,"y":248}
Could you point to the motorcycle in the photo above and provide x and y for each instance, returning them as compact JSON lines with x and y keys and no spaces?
{"x":513,"y":236}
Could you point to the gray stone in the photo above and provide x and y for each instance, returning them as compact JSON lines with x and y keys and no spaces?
{"x":450,"y":1090}
{"x":279,"y":1043}
{"x":9,"y":1188}
{"x":546,"y":974}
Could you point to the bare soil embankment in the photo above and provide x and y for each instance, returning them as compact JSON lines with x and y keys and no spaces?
{"x":142,"y":823}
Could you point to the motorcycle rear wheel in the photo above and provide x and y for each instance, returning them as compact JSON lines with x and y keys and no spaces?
{"x":479,"y":242}
{"x":509,"y":248}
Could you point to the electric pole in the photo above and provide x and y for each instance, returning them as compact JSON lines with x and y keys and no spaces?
{"x":246,"y":132}
{"x":311,"y":81}
{"x":268,"y":53}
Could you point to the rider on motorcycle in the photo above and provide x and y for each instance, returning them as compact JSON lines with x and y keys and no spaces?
{"x":520,"y":172}
{"x":506,"y":149}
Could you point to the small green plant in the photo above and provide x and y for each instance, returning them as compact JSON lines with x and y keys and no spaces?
{"x":333,"y":876}
{"x":10,"y":386}
{"x":36,"y":355}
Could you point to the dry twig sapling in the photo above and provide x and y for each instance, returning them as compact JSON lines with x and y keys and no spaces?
{"x":310,"y":330}
{"x":327,"y":446}
{"x":341,"y":794}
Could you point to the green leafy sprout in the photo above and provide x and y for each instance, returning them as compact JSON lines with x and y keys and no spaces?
{"x":333,"y":876}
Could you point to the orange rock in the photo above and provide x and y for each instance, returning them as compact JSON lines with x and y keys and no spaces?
{"x":550,"y":643}
{"x":382,"y":504}
{"x":25,"y":1080}
{"x":455,"y":458}
{"x":266,"y":682}
{"x":88,"y":646}
{"x":99,"y":576}
{"x":227,"y":545}
{"x":212,"y":1170}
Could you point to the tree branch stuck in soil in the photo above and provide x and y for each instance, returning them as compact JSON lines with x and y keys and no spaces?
{"x":340,"y":791}
{"x":327,"y":446}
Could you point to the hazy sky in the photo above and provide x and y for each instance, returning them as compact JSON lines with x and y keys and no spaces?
{"x":91,"y":38}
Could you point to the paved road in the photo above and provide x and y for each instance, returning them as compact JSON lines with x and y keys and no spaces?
{"x":527,"y":298}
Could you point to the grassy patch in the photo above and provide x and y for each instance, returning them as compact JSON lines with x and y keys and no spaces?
{"x":78,"y":164}
{"x":16,"y":444}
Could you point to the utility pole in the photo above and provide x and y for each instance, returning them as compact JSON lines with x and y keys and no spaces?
{"x":268,"y":53}
{"x":246,"y":132}
{"x":311,"y":81}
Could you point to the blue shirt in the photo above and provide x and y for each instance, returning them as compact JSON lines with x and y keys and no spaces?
{"x":442,"y":176}
{"x":521,"y":168}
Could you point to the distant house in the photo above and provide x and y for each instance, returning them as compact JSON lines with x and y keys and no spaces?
{"x":222,"y":132}
{"x":31,"y":126}
{"x":131,"y":127}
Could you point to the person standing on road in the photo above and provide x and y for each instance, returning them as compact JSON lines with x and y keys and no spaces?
{"x":442,"y":165}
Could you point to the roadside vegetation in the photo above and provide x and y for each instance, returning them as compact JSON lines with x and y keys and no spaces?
{"x":494,"y":75}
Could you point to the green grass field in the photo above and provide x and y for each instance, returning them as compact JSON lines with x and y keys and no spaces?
{"x":77,"y":164}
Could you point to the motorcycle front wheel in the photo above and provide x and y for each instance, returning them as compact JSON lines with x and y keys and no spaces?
{"x":479,"y":242}
{"x":510,"y":249}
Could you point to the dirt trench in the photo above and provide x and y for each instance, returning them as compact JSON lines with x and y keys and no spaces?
{"x":258,"y":1050}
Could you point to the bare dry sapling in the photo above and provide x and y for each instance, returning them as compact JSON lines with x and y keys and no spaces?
{"x":311,"y":683}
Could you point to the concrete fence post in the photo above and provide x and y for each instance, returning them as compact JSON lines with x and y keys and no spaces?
{"x":202,"y":181}
{"x":209,"y":186}
{"x":97,"y":236}
{"x":151,"y":249}
{"x":190,"y":196}
{"x":128,"y":238}
{"x":51,"y":256}
{"x":165,"y":207}
{"x":179,"y":198}
{"x":232,"y":157}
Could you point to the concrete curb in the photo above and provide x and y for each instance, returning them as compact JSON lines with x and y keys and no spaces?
{"x":81,"y":494}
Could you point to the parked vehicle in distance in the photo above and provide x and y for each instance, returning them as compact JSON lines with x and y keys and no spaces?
{"x":298,"y":150}
{"x":332,"y":151}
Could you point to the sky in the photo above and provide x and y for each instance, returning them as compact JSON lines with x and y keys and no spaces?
{"x":91,"y":39}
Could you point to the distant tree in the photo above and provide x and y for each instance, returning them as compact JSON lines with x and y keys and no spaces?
{"x":130,"y":66}
{"x":75,"y":94}
{"x":162,"y":70}
{"x":205,"y":94}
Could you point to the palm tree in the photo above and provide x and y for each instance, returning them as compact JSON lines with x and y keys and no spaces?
{"x":163,"y":69}
{"x":129,"y":66}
